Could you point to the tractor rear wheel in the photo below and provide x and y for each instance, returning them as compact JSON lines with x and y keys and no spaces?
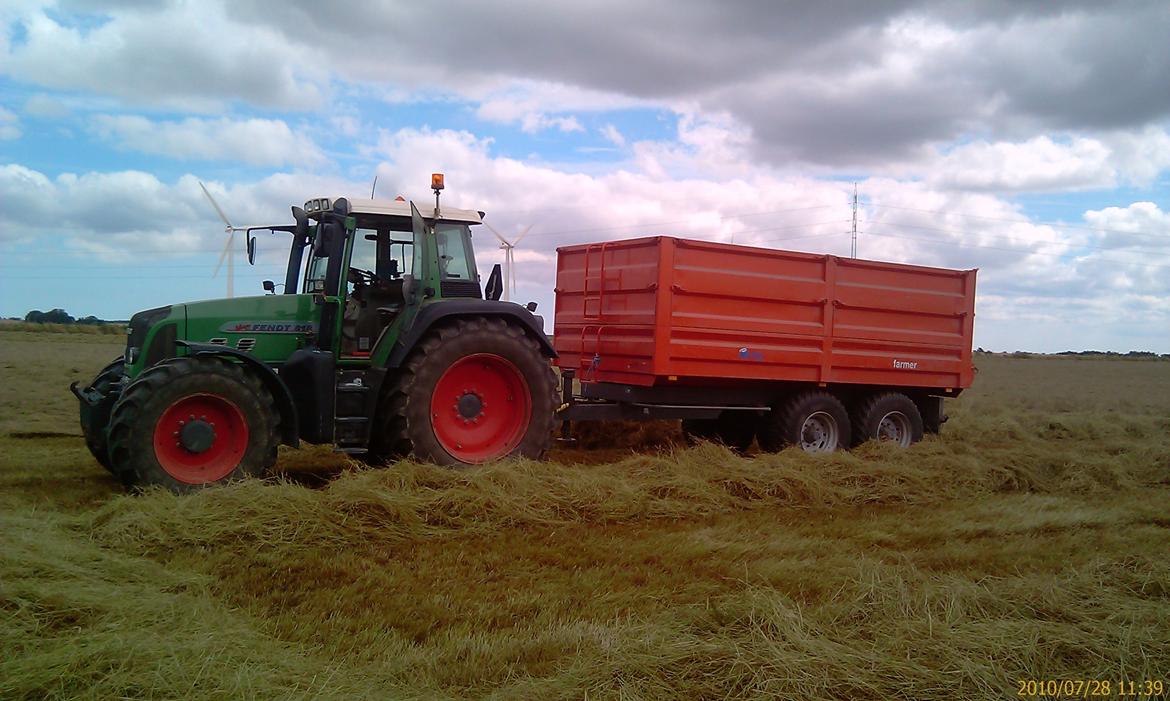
{"x":190,"y":422}
{"x":472,"y":391}
{"x":815,"y":421}
{"x":95,"y":420}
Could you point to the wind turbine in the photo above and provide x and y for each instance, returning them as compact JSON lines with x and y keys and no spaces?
{"x":509,"y":260}
{"x":229,"y":249}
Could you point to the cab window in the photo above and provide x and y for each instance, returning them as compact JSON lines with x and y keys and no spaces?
{"x":454,"y":261}
{"x":402,"y":251}
{"x":315,"y":274}
{"x":365,"y":253}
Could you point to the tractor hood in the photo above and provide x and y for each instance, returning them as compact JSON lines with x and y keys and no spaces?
{"x":269,"y":327}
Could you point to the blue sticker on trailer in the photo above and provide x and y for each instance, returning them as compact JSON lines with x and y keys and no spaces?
{"x":748,"y":354}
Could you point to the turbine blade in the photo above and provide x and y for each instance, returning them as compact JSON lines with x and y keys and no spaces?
{"x":523,"y":234}
{"x":497,"y":234}
{"x":216,"y":205}
{"x":224,"y":254}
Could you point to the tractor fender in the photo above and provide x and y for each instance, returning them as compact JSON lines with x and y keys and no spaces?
{"x":289,"y":422}
{"x":433,"y":314}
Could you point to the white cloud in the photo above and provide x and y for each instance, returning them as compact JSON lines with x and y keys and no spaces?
{"x":505,"y":111}
{"x":1043,"y":163}
{"x":1037,"y":164}
{"x":1140,"y":156}
{"x":253,"y":141}
{"x":611,"y":134}
{"x":185,"y":55}
{"x":9,"y":125}
{"x":49,"y":106}
{"x":131,"y":216}
{"x":818,"y":87}
{"x":534,"y":122}
{"x":1142,"y":227}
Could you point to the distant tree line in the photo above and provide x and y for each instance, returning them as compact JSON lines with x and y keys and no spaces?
{"x":60,"y":316}
{"x":1130,"y":354}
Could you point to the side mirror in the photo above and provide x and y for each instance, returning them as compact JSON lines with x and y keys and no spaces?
{"x":302,"y":220}
{"x":269,"y":287}
{"x":251,"y":250}
{"x":495,"y":284}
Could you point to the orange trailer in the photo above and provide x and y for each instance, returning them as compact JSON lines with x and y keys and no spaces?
{"x":728,"y":336}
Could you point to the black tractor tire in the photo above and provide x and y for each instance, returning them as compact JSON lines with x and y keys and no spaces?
{"x":698,"y":430}
{"x":815,"y":421}
{"x":215,"y":390}
{"x":890,"y":416}
{"x":734,"y":429}
{"x":95,"y":421}
{"x":503,"y":397}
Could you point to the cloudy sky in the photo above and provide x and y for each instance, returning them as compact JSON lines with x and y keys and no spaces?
{"x":1030,"y":140}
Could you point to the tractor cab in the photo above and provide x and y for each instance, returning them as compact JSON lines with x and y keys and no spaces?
{"x":379,"y":260}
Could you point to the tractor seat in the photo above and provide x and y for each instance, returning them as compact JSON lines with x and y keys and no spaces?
{"x":381,"y":303}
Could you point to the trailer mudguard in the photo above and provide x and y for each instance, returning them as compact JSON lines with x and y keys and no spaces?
{"x":432,"y":314}
{"x":289,"y":423}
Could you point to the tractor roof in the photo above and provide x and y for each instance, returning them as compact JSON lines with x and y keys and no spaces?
{"x":394,"y":208}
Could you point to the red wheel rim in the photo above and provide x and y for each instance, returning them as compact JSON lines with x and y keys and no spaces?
{"x":481,"y":408}
{"x":200,"y":438}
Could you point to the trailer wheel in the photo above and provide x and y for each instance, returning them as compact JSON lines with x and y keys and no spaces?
{"x":472,"y":391}
{"x":95,"y":421}
{"x":888,"y":416}
{"x":817,"y":422}
{"x":190,"y":422}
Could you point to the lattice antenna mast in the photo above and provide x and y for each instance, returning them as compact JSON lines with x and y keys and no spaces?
{"x":853,"y":246}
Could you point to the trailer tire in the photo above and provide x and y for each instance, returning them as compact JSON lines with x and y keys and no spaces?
{"x":94,"y":422}
{"x":890,"y":416}
{"x":494,"y":373}
{"x":814,"y":421}
{"x":153,"y":442}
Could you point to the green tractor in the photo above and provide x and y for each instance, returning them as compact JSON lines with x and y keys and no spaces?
{"x":383,"y":343}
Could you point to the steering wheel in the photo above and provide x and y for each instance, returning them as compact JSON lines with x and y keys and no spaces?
{"x":358,"y":276}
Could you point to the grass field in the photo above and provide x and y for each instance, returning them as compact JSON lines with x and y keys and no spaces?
{"x":1028,"y":542}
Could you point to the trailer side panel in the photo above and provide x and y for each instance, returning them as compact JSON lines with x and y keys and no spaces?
{"x":662,"y":310}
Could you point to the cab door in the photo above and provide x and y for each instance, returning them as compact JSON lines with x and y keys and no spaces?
{"x":324,"y":277}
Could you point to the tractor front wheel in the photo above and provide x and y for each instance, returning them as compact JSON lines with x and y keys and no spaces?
{"x":191,"y":422}
{"x":473,"y":391}
{"x":95,"y":419}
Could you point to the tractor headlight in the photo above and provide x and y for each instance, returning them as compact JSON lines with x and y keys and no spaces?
{"x":140,"y":324}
